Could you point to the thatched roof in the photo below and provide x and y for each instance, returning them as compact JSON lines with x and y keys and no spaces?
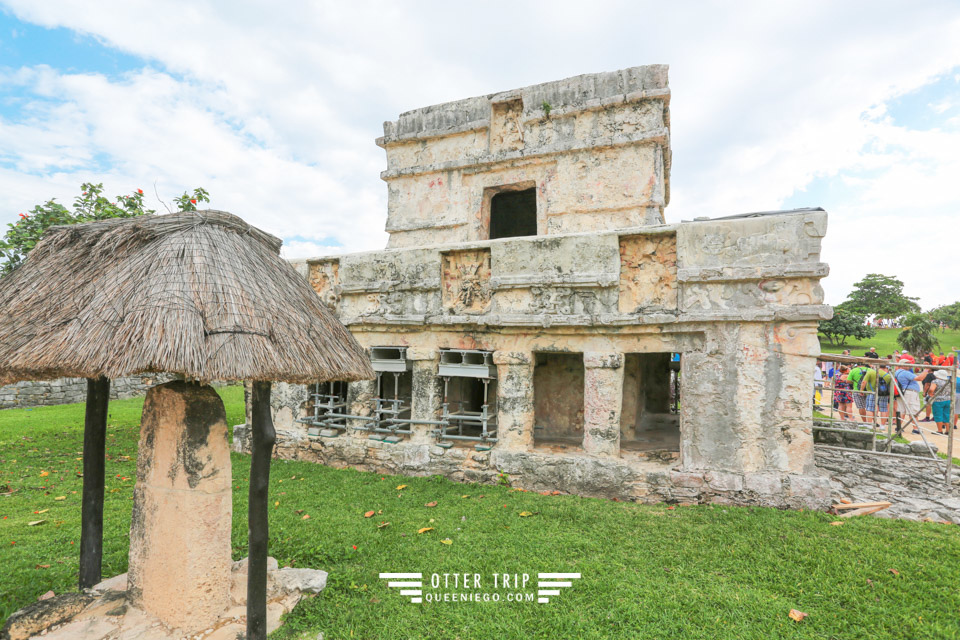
{"x":201,"y":294}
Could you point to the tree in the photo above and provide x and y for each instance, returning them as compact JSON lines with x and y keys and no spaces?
{"x":949,"y":314}
{"x":89,"y":206}
{"x":880,"y":296}
{"x":844,"y":325}
{"x":917,"y":334}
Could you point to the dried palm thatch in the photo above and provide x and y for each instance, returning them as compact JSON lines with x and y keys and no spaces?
{"x":202,"y":294}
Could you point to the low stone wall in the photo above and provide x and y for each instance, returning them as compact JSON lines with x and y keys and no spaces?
{"x":32,"y":393}
{"x":863,"y":438}
{"x":915,"y":487}
{"x":651,"y":480}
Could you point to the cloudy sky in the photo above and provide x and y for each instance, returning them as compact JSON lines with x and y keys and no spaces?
{"x":274,"y":107}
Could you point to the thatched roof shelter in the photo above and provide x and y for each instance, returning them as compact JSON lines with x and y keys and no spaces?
{"x":201,"y":294}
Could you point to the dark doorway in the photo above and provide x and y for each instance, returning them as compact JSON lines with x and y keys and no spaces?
{"x":513,"y":213}
{"x":649,"y":419}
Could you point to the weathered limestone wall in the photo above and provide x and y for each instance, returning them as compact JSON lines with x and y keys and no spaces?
{"x":738,"y":298}
{"x":180,"y":532}
{"x":71,"y":390}
{"x":751,"y":269}
{"x":596,"y":148}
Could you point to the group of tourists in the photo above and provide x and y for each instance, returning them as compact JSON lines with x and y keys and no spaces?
{"x":862,"y":392}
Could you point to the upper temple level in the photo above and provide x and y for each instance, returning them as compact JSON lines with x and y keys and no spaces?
{"x":590,"y":153}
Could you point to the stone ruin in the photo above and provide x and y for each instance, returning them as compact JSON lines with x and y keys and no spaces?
{"x":534,"y":315}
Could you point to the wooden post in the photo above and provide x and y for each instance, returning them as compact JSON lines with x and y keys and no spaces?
{"x":263,"y":437}
{"x":91,"y":519}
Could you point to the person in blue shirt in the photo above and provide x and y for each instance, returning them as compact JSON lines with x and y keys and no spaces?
{"x":908,"y":403}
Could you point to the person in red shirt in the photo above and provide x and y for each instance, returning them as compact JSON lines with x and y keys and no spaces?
{"x":906,"y":356}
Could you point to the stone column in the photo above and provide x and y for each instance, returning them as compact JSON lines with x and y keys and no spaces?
{"x":515,"y":413}
{"x":182,"y":508}
{"x":360,"y":395}
{"x":602,"y":400}
{"x":427,"y":393}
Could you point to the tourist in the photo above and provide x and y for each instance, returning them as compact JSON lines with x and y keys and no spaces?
{"x":844,"y":399}
{"x":941,"y":401}
{"x":859,"y":398}
{"x":928,"y":386}
{"x":872,"y":353}
{"x":906,"y":356}
{"x":909,"y":402}
{"x":878,"y":381}
{"x":817,"y":386}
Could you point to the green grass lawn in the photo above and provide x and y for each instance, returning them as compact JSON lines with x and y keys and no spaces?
{"x":647,"y":571}
{"x":886,"y":342}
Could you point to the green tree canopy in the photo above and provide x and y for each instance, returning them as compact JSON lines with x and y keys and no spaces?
{"x":949,"y":314}
{"x":89,"y":206}
{"x":917,"y":334}
{"x":880,"y":296}
{"x":845,"y":325}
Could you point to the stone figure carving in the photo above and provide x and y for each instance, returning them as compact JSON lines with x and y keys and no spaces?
{"x":466,"y":281}
{"x":565,"y":301}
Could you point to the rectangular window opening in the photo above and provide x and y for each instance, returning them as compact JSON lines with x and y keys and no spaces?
{"x":558,"y":401}
{"x":468,"y":402}
{"x":513,"y":213}
{"x":326,"y":404}
{"x":394,"y":397}
{"x":650,"y":413}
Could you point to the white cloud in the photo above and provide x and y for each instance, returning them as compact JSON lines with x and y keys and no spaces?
{"x":275,"y":110}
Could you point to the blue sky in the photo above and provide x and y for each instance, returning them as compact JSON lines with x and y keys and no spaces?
{"x":851,"y":106}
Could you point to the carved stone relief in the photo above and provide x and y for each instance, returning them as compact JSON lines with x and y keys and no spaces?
{"x":466,"y":281}
{"x":325,"y":280}
{"x":565,"y":301}
{"x":506,"y":130}
{"x":648,"y":273}
{"x":699,"y":296}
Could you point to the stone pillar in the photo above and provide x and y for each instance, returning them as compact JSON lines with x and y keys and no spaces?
{"x":360,"y":395}
{"x":515,"y":409}
{"x":182,"y":508}
{"x":427,"y":393}
{"x":602,"y":400}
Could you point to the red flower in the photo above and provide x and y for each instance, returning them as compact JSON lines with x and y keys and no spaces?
{"x":193,"y":201}
{"x":23,"y":215}
{"x":140,"y":191}
{"x":354,"y":547}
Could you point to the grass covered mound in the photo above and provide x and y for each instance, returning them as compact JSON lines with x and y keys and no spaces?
{"x":647,"y":571}
{"x":886,"y":343}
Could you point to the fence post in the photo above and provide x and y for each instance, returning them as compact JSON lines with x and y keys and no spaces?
{"x":950,"y":425}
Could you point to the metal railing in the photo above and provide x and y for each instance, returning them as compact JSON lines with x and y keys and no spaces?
{"x":894,"y":402}
{"x":392,"y":417}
